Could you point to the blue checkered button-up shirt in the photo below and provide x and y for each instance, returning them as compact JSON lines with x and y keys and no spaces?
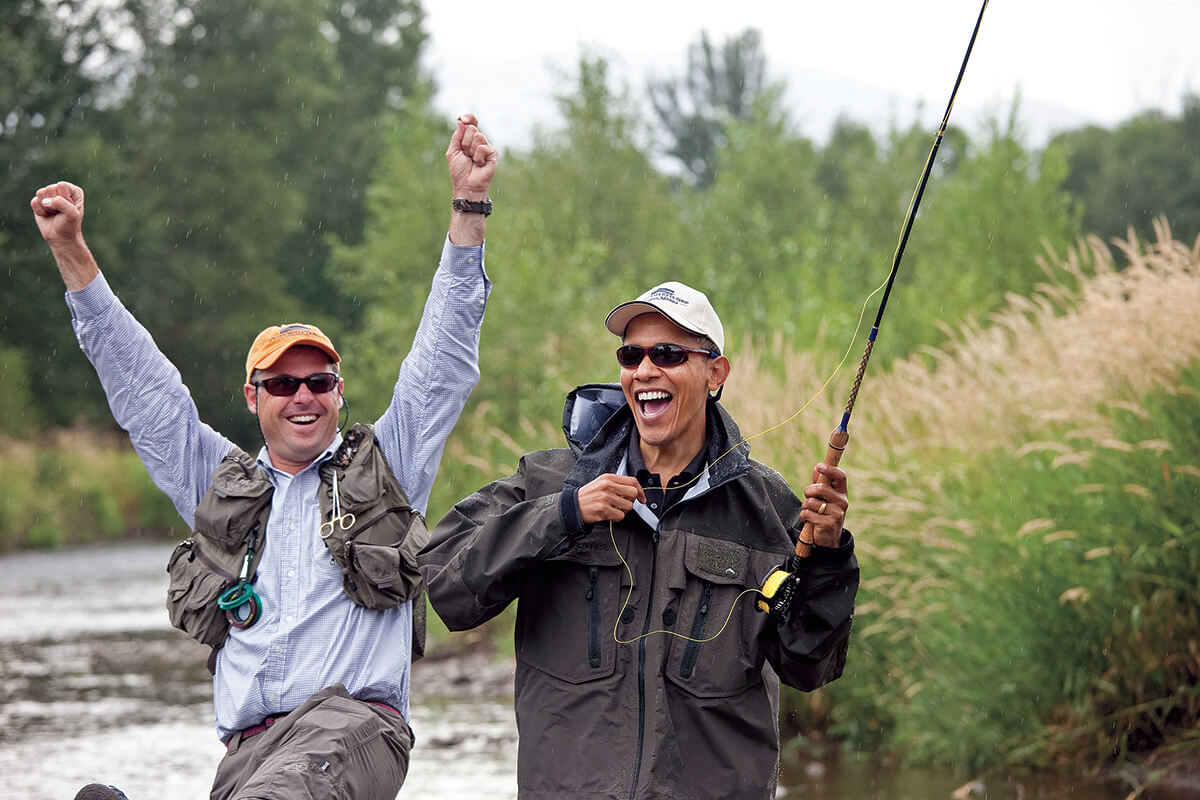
{"x":311,"y":635}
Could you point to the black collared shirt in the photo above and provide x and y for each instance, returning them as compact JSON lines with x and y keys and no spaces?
{"x":659,"y":499}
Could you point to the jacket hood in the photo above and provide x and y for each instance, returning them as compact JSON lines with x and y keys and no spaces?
{"x":597,"y":421}
{"x":587,"y":408}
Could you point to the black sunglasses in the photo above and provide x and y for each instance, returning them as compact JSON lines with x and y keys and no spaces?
{"x":661,"y":355}
{"x":288,"y":385}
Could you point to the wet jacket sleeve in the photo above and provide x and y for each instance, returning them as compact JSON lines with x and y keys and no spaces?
{"x":473,"y":563}
{"x":810,"y":650}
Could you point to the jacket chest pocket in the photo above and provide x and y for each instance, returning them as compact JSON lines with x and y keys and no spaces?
{"x":565,"y":618}
{"x":715,"y":653}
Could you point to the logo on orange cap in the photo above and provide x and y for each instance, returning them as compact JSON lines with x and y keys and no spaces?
{"x":276,"y":340}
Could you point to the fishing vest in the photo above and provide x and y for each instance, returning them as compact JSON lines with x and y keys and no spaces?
{"x":377,"y":553}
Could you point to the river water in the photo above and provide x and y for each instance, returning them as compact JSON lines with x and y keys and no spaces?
{"x":95,"y":686}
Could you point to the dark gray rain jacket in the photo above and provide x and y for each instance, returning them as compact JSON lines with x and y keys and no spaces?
{"x":661,"y":716}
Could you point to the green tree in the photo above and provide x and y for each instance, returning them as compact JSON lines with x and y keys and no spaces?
{"x":203,"y":205}
{"x":593,"y":223}
{"x":236,"y":146}
{"x":751,"y":228}
{"x":60,"y":62}
{"x":1143,"y":168}
{"x":388,"y":273}
{"x":980,"y":232}
{"x":721,"y":85}
{"x":850,"y":143}
{"x":809,"y":233}
{"x":375,"y":73}
{"x":582,"y":215}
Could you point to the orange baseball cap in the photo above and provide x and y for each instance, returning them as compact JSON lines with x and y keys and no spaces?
{"x":276,"y":340}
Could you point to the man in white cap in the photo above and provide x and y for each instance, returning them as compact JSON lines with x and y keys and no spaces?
{"x":301,"y":572}
{"x":644,"y":667}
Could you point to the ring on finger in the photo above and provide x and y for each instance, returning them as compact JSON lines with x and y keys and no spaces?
{"x":821,"y":510}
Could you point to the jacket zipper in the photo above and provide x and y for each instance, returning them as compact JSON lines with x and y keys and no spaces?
{"x":374,"y":519}
{"x":641,"y":740}
{"x":693,"y":649}
{"x":593,"y":603}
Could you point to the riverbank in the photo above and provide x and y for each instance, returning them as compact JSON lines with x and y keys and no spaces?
{"x":1164,"y":776}
{"x":72,"y":487}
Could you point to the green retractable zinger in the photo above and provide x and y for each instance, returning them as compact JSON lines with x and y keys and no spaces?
{"x":240,"y":602}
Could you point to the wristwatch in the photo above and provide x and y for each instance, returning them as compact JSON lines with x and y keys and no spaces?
{"x":472,"y":206}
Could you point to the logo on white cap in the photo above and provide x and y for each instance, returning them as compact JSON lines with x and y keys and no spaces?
{"x":678,"y":302}
{"x":667,"y":295}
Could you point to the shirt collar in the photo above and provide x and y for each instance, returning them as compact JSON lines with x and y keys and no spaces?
{"x":637,"y":465}
{"x":264,"y":458}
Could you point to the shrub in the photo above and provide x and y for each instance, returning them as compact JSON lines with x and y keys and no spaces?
{"x":1025,"y":507}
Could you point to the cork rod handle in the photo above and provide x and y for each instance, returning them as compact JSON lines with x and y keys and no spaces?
{"x":837,"y":444}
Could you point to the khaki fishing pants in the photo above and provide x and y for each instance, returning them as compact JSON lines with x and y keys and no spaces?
{"x":332,"y":746}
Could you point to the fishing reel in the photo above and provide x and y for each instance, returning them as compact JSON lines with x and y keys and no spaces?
{"x":779,"y":590}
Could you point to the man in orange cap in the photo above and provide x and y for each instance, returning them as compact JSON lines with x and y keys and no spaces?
{"x":301,"y":571}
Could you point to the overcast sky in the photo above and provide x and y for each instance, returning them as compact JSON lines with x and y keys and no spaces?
{"x":1072,"y":61}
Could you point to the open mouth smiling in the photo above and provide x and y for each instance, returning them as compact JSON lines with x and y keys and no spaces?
{"x":653,"y":402}
{"x":303,"y":419}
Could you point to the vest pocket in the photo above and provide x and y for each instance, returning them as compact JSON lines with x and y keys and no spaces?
{"x":379,"y":565}
{"x":387,"y":585}
{"x":719,"y":658}
{"x":192,"y":594}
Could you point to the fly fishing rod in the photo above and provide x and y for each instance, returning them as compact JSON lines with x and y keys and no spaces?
{"x":778,"y":590}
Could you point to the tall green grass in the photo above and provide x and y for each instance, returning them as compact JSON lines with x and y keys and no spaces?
{"x":73,"y":487}
{"x":1026,"y":504}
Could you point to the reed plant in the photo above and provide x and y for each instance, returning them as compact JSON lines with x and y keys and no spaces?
{"x":1026,"y":503}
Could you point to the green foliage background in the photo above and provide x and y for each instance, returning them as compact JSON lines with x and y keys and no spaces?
{"x":252,"y":165}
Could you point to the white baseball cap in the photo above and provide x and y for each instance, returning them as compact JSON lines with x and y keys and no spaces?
{"x":683,"y":305}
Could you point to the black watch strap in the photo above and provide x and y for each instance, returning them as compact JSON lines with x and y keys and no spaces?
{"x":472,"y":206}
